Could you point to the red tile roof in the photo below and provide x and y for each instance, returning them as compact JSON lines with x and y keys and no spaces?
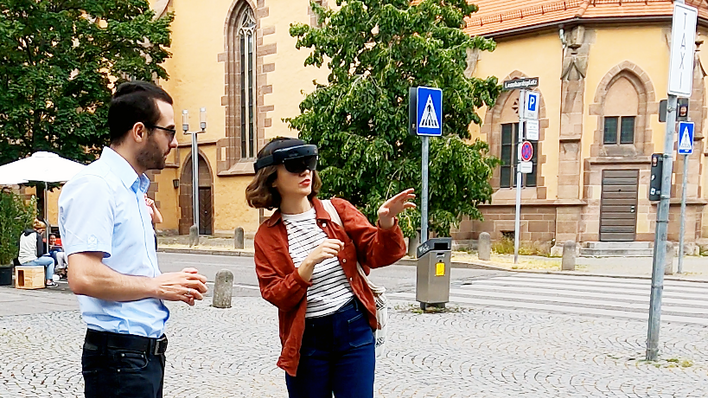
{"x":499,"y":16}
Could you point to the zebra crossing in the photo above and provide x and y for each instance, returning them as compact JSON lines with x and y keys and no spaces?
{"x":683,"y":301}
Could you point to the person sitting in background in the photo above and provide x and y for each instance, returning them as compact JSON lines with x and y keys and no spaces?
{"x":58,"y":255}
{"x":32,"y":251}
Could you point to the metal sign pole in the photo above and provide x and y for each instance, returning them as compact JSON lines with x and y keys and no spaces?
{"x":683,"y":213}
{"x":424,"y":199}
{"x":662,"y":226}
{"x":683,"y":31}
{"x":517,"y":218}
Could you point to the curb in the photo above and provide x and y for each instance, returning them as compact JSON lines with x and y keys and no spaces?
{"x":454,"y":264}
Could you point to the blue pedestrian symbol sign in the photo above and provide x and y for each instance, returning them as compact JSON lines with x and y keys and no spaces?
{"x":429,"y":111}
{"x":685,"y":133}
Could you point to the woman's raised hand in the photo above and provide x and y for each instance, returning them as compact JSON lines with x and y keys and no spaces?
{"x":394,"y":206}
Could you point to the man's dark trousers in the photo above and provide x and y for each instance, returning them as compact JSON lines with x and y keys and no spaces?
{"x":121,"y":365}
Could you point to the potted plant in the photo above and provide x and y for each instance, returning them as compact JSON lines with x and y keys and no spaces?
{"x":15,"y":216}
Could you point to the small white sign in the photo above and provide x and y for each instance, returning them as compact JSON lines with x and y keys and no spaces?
{"x":531,"y":105}
{"x":526,"y":167}
{"x":532,"y":130}
{"x":683,"y":37}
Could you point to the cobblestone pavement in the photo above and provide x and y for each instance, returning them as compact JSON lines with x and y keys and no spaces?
{"x":466,"y":352}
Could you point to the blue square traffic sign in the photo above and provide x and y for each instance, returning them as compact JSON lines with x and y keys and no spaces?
{"x":685,"y":136}
{"x":429,"y":111}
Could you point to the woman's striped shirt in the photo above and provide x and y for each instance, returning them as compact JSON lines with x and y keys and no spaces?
{"x":330,"y":289}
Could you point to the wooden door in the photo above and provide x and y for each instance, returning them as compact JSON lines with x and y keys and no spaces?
{"x":618,"y":207}
{"x":205,"y":211}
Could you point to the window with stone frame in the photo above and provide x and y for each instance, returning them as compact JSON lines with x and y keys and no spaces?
{"x":247,"y":80}
{"x":509,"y":158}
{"x":619,"y":130}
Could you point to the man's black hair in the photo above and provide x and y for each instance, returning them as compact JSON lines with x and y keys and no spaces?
{"x":134,"y":102}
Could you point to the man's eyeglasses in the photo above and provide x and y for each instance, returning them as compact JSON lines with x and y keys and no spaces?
{"x":170,"y":132}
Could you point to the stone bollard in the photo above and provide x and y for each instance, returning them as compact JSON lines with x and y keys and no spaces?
{"x":569,"y":252}
{"x":669,"y":259}
{"x":413,"y":246}
{"x":239,"y":240}
{"x":193,"y":236}
{"x":223,"y":289}
{"x":484,"y":247}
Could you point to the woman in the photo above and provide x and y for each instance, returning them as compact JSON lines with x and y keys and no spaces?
{"x":32,"y":251}
{"x":307,"y":267}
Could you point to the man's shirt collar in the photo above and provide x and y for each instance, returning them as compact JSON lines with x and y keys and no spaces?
{"x":125,"y":172}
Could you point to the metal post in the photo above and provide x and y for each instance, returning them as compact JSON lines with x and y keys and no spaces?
{"x":424,"y":199}
{"x":195,"y":181}
{"x":683,"y":213}
{"x":517,"y":218}
{"x":662,"y":225}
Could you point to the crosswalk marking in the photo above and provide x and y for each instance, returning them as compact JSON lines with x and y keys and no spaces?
{"x":685,"y":302}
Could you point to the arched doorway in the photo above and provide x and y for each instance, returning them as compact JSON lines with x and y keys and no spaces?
{"x":206,"y":199}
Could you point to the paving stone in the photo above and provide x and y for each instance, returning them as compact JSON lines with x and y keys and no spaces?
{"x":471,"y":351}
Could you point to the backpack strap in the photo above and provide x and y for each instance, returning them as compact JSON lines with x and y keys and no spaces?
{"x":333,"y":214}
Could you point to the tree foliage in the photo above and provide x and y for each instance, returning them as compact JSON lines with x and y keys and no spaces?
{"x":15,"y":216}
{"x":59,"y":61}
{"x":375,"y":51}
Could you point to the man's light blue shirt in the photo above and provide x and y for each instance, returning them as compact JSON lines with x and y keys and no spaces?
{"x":102,"y":209}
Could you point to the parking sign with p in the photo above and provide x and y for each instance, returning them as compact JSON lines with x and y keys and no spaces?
{"x":531,"y":106}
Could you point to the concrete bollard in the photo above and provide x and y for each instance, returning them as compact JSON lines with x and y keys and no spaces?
{"x":239,"y":240}
{"x":413,"y":246}
{"x":223,"y":289}
{"x":484,"y":247}
{"x":669,"y":268}
{"x":193,"y":236}
{"x":569,"y":253}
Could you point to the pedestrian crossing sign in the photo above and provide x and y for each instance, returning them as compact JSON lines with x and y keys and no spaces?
{"x":685,"y":133}
{"x":429,"y":111}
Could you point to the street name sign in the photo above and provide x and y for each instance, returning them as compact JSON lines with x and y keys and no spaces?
{"x":683,"y":37}
{"x":529,"y":82}
{"x":685,"y":146}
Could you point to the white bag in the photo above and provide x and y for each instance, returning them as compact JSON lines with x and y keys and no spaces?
{"x":379,"y":291}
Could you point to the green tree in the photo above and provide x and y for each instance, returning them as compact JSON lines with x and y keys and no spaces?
{"x":375,"y":51}
{"x":59,"y":61}
{"x":15,"y":216}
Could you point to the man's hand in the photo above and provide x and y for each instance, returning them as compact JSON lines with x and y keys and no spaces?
{"x":187,"y":285}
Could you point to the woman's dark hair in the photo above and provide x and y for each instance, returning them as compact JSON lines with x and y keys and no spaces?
{"x":260,"y":193}
{"x":134,"y":102}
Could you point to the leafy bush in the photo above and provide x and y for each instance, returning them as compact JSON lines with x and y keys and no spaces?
{"x":15,"y":216}
{"x":536,"y":248}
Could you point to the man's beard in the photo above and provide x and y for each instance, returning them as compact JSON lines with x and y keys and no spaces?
{"x":151,"y":157}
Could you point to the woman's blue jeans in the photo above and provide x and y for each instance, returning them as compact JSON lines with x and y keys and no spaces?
{"x":337,"y":356}
{"x":45,"y":261}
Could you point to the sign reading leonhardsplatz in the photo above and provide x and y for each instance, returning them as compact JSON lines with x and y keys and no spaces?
{"x":683,"y":37}
{"x":685,"y":133}
{"x":526,"y":82}
{"x":429,"y":111}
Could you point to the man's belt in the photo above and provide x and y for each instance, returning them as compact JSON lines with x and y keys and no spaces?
{"x":147,"y":345}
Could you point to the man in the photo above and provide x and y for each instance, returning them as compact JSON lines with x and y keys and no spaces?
{"x":109,"y":240}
